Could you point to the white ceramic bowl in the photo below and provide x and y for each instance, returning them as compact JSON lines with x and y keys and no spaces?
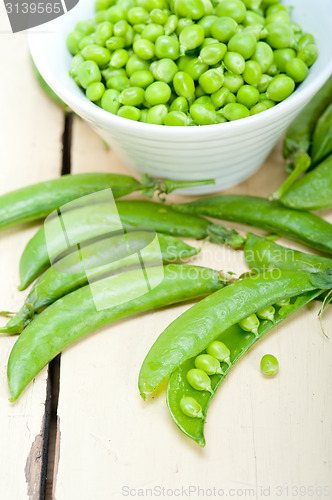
{"x":229,"y":152}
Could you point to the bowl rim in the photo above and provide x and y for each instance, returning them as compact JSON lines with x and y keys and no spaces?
{"x":111,"y":121}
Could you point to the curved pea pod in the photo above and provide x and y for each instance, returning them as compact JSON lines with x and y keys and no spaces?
{"x":322,"y":137}
{"x":300,"y":226}
{"x":192,"y":332}
{"x":262,"y":254}
{"x":36,"y":201}
{"x":313,"y":191}
{"x":99,"y":261}
{"x":238,"y":344}
{"x":75,"y":315}
{"x":93,"y":220}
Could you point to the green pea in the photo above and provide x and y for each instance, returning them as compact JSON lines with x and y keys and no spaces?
{"x":280,"y":36}
{"x":104,"y":32}
{"x":305,"y":40}
{"x":232,"y":82}
{"x":244,"y":43}
{"x":275,"y":7}
{"x":195,"y":68}
{"x":297,"y":69}
{"x":220,"y":117}
{"x":177,"y":119}
{"x":85,"y":27}
{"x":157,"y":93}
{"x":308,"y":54}
{"x":203,"y":114}
{"x":283,"y":302}
{"x":87,"y":40}
{"x":144,"y":113}
{"x":211,"y":80}
{"x":103,"y":4}
{"x":282,"y":56}
{"x":247,"y":95}
{"x":256,"y":30}
{"x":115,"y":43}
{"x":208,"y":363}
{"x":250,"y":324}
{"x":235,"y":111}
{"x":213,"y":54}
{"x":208,"y":7}
{"x":199,"y":91}
{"x":138,"y":15}
{"x":152,"y":31}
{"x":157,"y":114}
{"x":119,"y":58}
{"x":258,"y":108}
{"x":75,"y":64}
{"x":267,"y":313}
{"x":115,"y":14}
{"x":111,"y":71}
{"x":100,"y":16}
{"x":95,"y":91}
{"x":158,"y":16}
{"x":231,"y":98}
{"x":223,"y":29}
{"x":144,"y":49}
{"x":219,"y":98}
{"x":120,"y":28}
{"x":183,"y":23}
{"x":199,"y":380}
{"x":206,"y":23}
{"x":273,"y":70}
{"x":184,"y":85}
{"x":232,"y":8}
{"x":191,"y":9}
{"x":280,"y":88}
{"x":269,"y":365}
{"x":190,"y":407}
{"x":179,"y":104}
{"x":73,"y":40}
{"x":132,"y":96}
{"x":234,"y":62}
{"x":171,"y":24}
{"x":252,"y":73}
{"x":264,"y":83}
{"x":167,"y":47}
{"x":219,"y":350}
{"x":208,"y":41}
{"x":141,"y":79}
{"x":281,"y":17}
{"x":252,"y":18}
{"x":110,"y":101}
{"x":118,"y":82}
{"x":204,"y":99}
{"x":129,"y":112}
{"x":87,"y":73}
{"x":164,"y":70}
{"x":191,"y":37}
{"x":263,"y":55}
{"x":268,"y":103}
{"x":139,"y":28}
{"x":135,"y":63}
{"x":129,"y":36}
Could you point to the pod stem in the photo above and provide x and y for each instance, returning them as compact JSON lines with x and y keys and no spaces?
{"x":166,"y":186}
{"x":221,"y":235}
{"x":302,"y":162}
{"x":7,"y":313}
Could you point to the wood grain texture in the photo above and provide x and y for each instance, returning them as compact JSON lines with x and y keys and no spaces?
{"x":260,"y":433}
{"x":30,"y":151}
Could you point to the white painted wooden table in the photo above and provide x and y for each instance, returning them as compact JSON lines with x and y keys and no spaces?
{"x":265,"y":438}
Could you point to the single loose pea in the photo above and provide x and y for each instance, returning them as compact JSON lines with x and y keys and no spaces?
{"x":152,"y":32}
{"x":191,"y":37}
{"x":268,"y":103}
{"x":110,"y":101}
{"x":135,"y":63}
{"x":115,"y":14}
{"x":184,"y":85}
{"x":219,"y":98}
{"x":164,"y":70}
{"x":195,"y":68}
{"x":144,"y":113}
{"x":104,"y":32}
{"x":220,"y":117}
{"x":95,"y":91}
{"x":138,"y":15}
{"x":132,"y":96}
{"x":213,"y":54}
{"x":263,"y":55}
{"x":273,"y":70}
{"x":223,"y":29}
{"x":120,"y":28}
{"x":250,"y":324}
{"x":199,"y":91}
{"x":130,"y":112}
{"x":208,"y":363}
{"x":283,"y":302}
{"x":267,"y":313}
{"x":282,"y":56}
{"x":280,"y":88}
{"x":208,"y":7}
{"x":115,"y":43}
{"x":280,"y":36}
{"x":100,"y":55}
{"x":191,"y":9}
{"x":244,"y":43}
{"x":232,"y":8}
{"x":111,"y":71}
{"x":258,"y":108}
{"x":157,"y":93}
{"x":203,"y":114}
{"x":103,"y":4}
{"x":308,"y":54}
{"x":158,"y":16}
{"x":183,"y":23}
{"x":167,"y":47}
{"x":119,"y":58}
{"x":85,"y":27}
{"x":219,"y":350}
{"x":199,"y":380}
{"x":100,"y":16}
{"x":171,"y":24}
{"x":247,"y":95}
{"x":234,"y":62}
{"x":144,"y":49}
{"x":157,"y":114}
{"x":87,"y":40}
{"x":231,"y":98}
{"x":206,"y":23}
{"x":269,"y":365}
{"x":204,"y":99}
{"x":232,"y":82}
{"x":190,"y":407}
{"x":141,"y":79}
{"x":264,"y":83}
{"x":252,"y":73}
{"x":211,"y":80}
{"x":177,"y":119}
{"x":281,"y":17}
{"x":252,"y":19}
{"x":305,"y":40}
{"x":297,"y":69}
{"x":74,"y":65}
{"x":179,"y":104}
{"x":87,"y":73}
{"x":118,"y":82}
{"x":73,"y":40}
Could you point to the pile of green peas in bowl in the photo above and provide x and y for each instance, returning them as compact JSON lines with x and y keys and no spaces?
{"x":189,"y":62}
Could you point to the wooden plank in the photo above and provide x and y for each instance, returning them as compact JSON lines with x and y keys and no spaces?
{"x":260,"y":433}
{"x":30,"y":149}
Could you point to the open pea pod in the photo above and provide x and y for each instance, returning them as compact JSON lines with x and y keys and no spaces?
{"x":187,"y":405}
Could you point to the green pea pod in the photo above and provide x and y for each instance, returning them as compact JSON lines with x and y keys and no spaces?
{"x":191,"y":333}
{"x":262,"y":254}
{"x":322,"y":137}
{"x":87,"y":222}
{"x":75,"y":315}
{"x":300,"y":226}
{"x":99,"y":260}
{"x":313,"y":191}
{"x":39,"y":200}
{"x":238,"y":342}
